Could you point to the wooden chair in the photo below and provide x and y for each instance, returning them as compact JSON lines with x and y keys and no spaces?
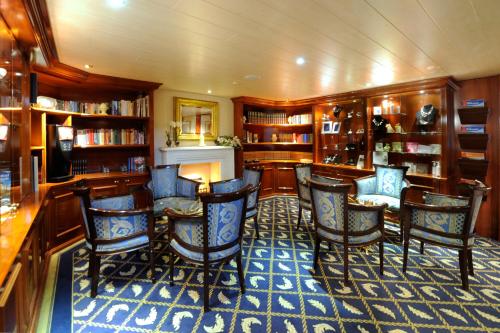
{"x":388,"y":185}
{"x":113,"y":225}
{"x":447,"y":221}
{"x":214,"y":238}
{"x":303,"y":171}
{"x":340,"y":222}
{"x":252,"y":177}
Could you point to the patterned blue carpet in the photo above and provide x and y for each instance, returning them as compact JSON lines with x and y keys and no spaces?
{"x":283,"y":293}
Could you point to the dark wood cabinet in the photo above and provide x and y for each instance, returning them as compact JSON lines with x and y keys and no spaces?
{"x":267,"y":182}
{"x":284,"y":179}
{"x":12,"y":302}
{"x":66,"y":217}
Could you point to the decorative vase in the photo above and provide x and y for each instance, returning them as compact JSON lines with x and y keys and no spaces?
{"x":176,"y":137}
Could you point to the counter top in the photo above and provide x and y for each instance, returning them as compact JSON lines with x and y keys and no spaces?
{"x":15,"y":228}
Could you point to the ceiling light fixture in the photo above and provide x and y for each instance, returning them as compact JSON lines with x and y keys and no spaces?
{"x":88,"y":66}
{"x":300,"y":61}
{"x":209,"y":91}
{"x":422,"y":91}
{"x":251,"y":77}
{"x":6,"y":62}
{"x":368,"y":84}
{"x":18,"y":74}
{"x":116,"y":4}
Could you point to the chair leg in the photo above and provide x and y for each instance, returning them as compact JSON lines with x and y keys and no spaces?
{"x":171,"y":259}
{"x":256,"y":226}
{"x":462,"y":259}
{"x":469,"y":261}
{"x":241,"y":276}
{"x":421,"y":247}
{"x":96,"y":263}
{"x":381,"y":256}
{"x":206,"y":291}
{"x":401,"y":231}
{"x":152,"y":261}
{"x":406,"y":245}
{"x":317,"y":243}
{"x":300,"y":217}
{"x":346,"y":264}
{"x":91,"y":266}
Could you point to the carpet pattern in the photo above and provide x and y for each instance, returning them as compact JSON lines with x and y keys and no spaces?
{"x":283,"y":293}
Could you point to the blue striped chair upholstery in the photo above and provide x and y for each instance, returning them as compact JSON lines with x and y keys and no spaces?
{"x":388,"y":185}
{"x":250,"y":177}
{"x":338,"y":221}
{"x":214,"y":238}
{"x":113,"y":225}
{"x":303,"y":172}
{"x":447,"y":221}
{"x":169,"y":189}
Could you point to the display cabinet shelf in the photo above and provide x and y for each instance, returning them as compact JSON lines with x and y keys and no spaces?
{"x":282,"y":126}
{"x":473,"y":115}
{"x":473,"y":141}
{"x":86,"y":115}
{"x":266,"y":146}
{"x":111,"y":146}
{"x":473,"y":169}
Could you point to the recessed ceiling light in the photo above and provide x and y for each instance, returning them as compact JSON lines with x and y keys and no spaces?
{"x":368,"y":84}
{"x":422,"y":91}
{"x":430,"y":68}
{"x":385,"y":96}
{"x":88,"y":66}
{"x":251,"y":77}
{"x":19,"y":74}
{"x":116,"y":3}
{"x":300,"y":61}
{"x":209,"y":91}
{"x":6,"y":62}
{"x":235,"y":82}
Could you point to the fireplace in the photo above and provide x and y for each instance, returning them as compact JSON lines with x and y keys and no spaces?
{"x":208,"y":163}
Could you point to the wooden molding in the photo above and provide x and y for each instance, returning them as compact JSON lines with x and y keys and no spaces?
{"x":393,"y":88}
{"x":39,"y":17}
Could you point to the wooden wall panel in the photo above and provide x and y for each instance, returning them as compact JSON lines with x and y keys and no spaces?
{"x":487,"y":88}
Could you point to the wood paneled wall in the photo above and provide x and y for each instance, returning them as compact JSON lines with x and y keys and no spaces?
{"x":487,"y":88}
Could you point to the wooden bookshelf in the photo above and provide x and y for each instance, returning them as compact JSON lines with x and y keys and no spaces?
{"x":107,"y":146}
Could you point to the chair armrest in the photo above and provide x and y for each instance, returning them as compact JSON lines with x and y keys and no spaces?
{"x":365,"y":185}
{"x":360,"y":207}
{"x":129,"y":212}
{"x":325,"y":179}
{"x":187,"y":187}
{"x":434,"y":208}
{"x":439,"y":199}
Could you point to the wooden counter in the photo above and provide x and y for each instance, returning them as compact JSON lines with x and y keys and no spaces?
{"x":16,"y":227}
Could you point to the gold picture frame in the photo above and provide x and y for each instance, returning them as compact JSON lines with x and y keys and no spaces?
{"x":196,"y":117}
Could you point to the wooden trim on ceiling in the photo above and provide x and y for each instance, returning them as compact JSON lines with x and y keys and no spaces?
{"x":39,"y":17}
{"x":389,"y":89}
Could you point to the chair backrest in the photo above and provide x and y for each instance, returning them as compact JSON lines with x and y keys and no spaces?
{"x":224,"y":215}
{"x":164,"y":180}
{"x":478,"y":192}
{"x":303,"y":171}
{"x":226,"y":186}
{"x":329,"y":205}
{"x":390,"y":180}
{"x":103,"y":227}
{"x":252,"y":176}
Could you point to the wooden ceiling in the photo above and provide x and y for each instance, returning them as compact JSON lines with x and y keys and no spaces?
{"x":195,"y":45}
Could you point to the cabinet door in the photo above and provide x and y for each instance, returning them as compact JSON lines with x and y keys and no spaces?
{"x":66,"y":217}
{"x":105,"y":187}
{"x":30,"y":259}
{"x":284,"y":179}
{"x":267,"y":182}
{"x":135,"y":184}
{"x":12,"y":307}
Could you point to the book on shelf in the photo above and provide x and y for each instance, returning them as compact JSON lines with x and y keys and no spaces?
{"x":474,"y":103}
{"x":109,"y":136}
{"x":479,"y":129}
{"x":78,"y":167}
{"x":137,"y":108}
{"x":255,"y":117}
{"x":473,"y":155}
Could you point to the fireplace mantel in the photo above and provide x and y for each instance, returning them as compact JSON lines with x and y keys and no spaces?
{"x":205,"y":154}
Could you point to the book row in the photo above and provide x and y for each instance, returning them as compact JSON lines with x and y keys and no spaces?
{"x":278,"y":118}
{"x":111,"y":136}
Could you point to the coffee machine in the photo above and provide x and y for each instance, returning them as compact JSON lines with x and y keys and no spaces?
{"x":59,"y":148}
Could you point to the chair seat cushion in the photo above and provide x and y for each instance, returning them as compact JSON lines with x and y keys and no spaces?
{"x":441,"y":239}
{"x":352,"y":239}
{"x":125,"y":245}
{"x":176,"y":203}
{"x":198,"y":256}
{"x":251,"y":213}
{"x":381,"y":199}
{"x":305,"y":205}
